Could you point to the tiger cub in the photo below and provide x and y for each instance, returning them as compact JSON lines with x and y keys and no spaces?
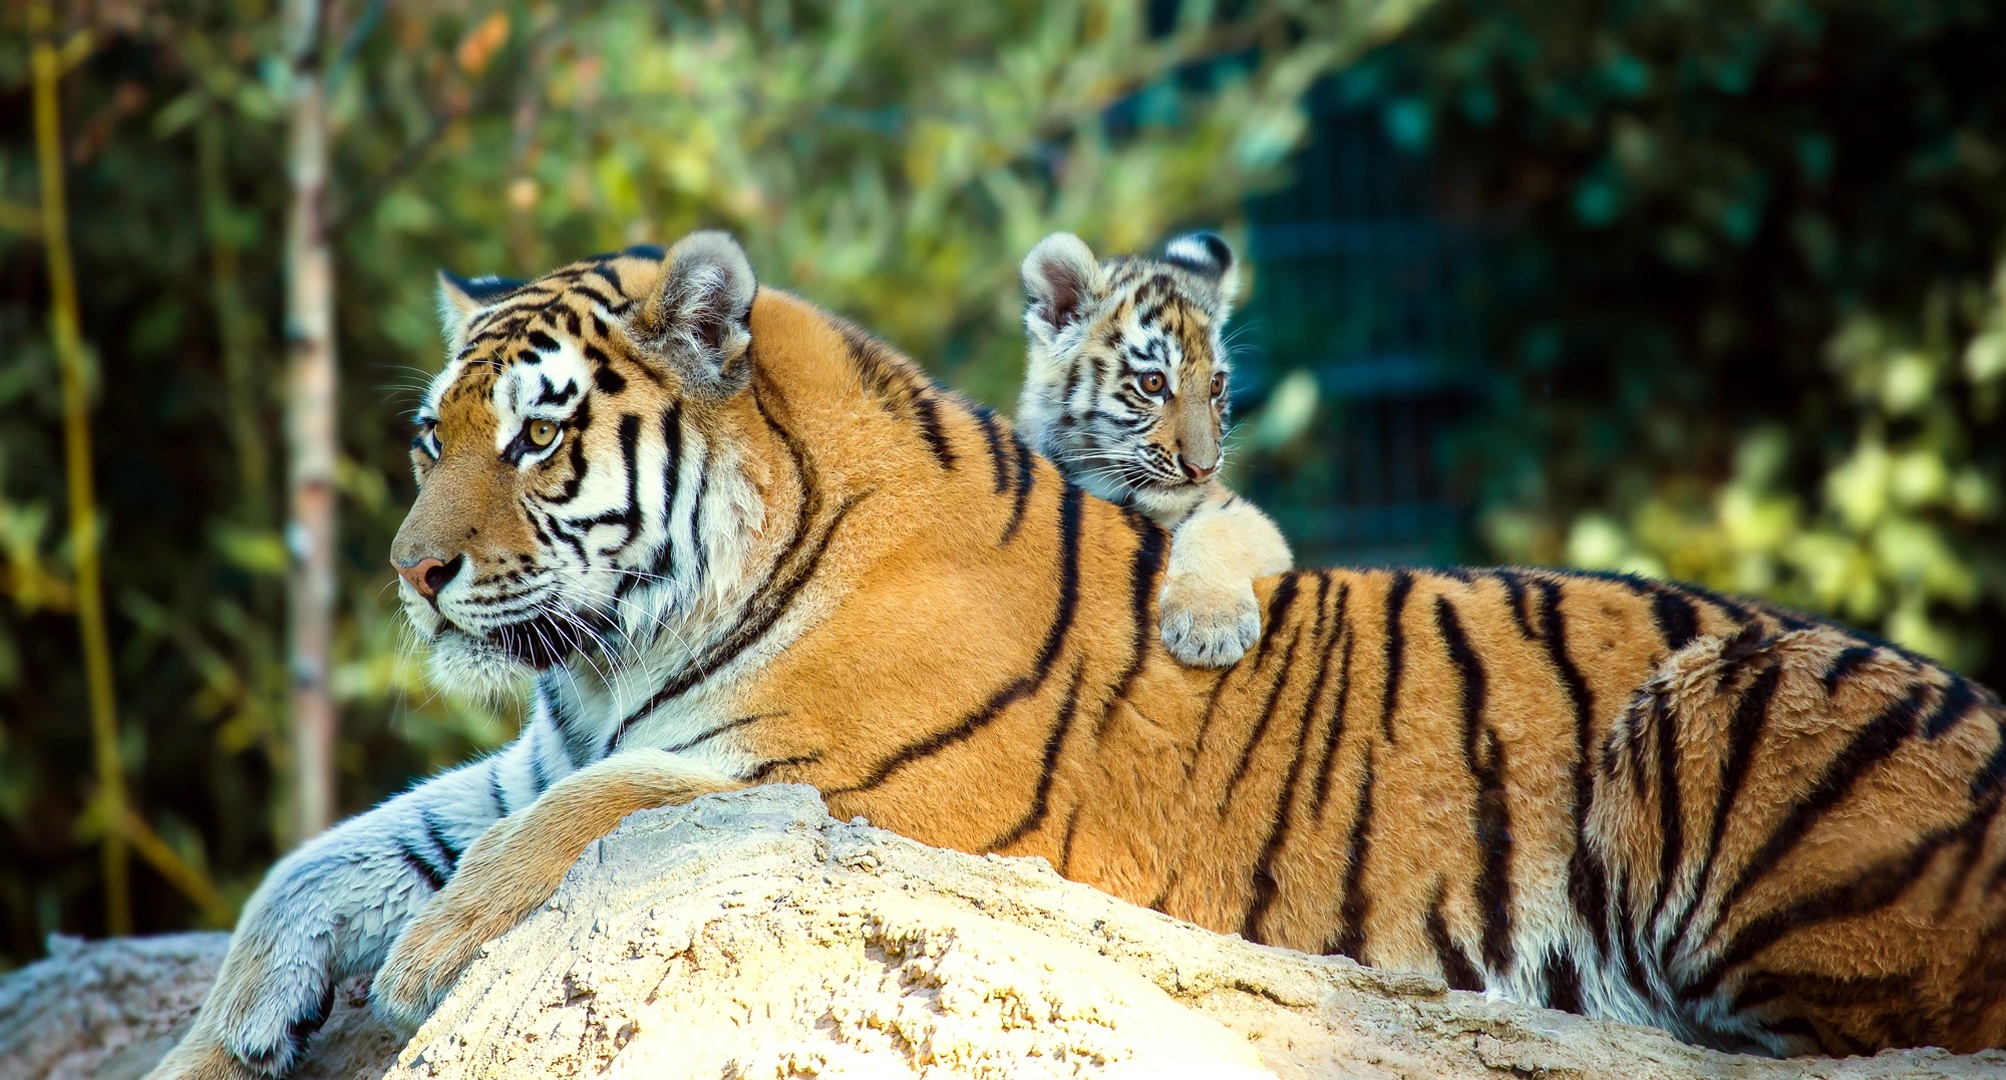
{"x":1125,"y":389}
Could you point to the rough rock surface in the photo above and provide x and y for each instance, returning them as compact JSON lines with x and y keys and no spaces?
{"x":751,"y":936}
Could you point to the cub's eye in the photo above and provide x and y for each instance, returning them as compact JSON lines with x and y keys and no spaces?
{"x":1218,"y":383}
{"x":542,"y":433}
{"x":1151,"y":382}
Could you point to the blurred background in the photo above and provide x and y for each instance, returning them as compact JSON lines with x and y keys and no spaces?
{"x":1709,"y":290}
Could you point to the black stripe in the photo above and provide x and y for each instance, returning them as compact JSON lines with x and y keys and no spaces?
{"x":1026,"y":473}
{"x":538,"y":780}
{"x":1678,"y":621}
{"x":418,"y":864}
{"x":1055,"y":743}
{"x":729,"y":725}
{"x":575,"y":737}
{"x":1280,"y":603}
{"x":1744,"y":732}
{"x":1874,"y":743}
{"x":300,"y":1029}
{"x":1586,"y":885}
{"x":765,"y":769}
{"x":927,"y":413}
{"x":1357,"y":906}
{"x":1265,"y":885}
{"x":1333,"y":732}
{"x":1396,"y":641}
{"x":1953,"y":704}
{"x":1457,"y":970}
{"x":1845,"y":664}
{"x":1671,"y":809}
{"x":1024,"y":685}
{"x":791,"y":571}
{"x":437,"y":833}
{"x":1515,"y":598}
{"x":495,"y":791}
{"x":1205,"y":719}
{"x":994,"y":438}
{"x":1144,"y":568}
{"x":1875,"y":888}
{"x":1484,"y":756}
{"x":1066,"y":845}
{"x":672,"y":467}
{"x":1632,"y":963}
{"x":580,"y":420}
{"x":607,"y":380}
{"x":1563,"y":984}
{"x":1267,"y":716}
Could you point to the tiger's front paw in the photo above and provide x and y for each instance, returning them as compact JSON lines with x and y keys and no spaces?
{"x":495,"y":888}
{"x":1207,"y":624}
{"x":271,"y":995}
{"x":426,"y":960}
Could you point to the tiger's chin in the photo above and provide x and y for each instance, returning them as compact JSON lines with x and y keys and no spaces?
{"x":463,"y":664}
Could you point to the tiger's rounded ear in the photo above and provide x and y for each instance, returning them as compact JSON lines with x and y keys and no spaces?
{"x":1208,"y":256}
{"x":1062,"y":279}
{"x":698,"y":320}
{"x":460,"y":299}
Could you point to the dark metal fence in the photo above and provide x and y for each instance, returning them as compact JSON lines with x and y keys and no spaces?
{"x":1361,"y":283}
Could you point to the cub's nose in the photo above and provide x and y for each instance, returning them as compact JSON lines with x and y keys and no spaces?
{"x":428,"y":575}
{"x":1197,"y":472}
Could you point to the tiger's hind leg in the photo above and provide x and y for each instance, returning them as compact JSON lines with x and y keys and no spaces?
{"x":517,"y":864}
{"x":1805,"y":847}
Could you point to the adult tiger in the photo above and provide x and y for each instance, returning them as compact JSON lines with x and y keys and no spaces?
{"x":743,"y":542}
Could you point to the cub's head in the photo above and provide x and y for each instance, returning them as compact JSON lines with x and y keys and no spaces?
{"x":563,"y":457}
{"x":1126,"y":384}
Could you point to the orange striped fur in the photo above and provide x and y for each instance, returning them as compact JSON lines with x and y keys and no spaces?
{"x":1627,"y":798}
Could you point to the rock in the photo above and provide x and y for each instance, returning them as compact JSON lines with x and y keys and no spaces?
{"x":750,"y":936}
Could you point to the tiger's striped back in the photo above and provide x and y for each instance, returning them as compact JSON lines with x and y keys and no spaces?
{"x":1634,"y":799}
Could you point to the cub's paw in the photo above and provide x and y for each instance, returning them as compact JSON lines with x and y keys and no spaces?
{"x":1205,"y":624}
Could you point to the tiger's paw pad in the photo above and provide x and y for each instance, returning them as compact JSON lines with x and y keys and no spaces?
{"x":1207,"y":626}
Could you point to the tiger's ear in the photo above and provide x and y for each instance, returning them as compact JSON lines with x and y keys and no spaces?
{"x":697,"y":321}
{"x":1062,"y":279}
{"x":1211,"y":258}
{"x":460,"y":299}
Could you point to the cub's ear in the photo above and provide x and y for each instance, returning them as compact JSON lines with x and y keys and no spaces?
{"x":698,"y":319}
{"x":461,"y":298}
{"x":1062,"y":279}
{"x":1207,"y":256}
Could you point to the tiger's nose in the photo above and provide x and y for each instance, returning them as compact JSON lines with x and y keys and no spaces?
{"x":1197,"y":472}
{"x":428,"y":575}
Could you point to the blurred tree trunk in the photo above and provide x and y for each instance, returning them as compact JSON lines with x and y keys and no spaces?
{"x":310,"y":428}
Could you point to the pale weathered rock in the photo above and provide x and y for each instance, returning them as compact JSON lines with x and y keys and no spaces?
{"x":750,"y":936}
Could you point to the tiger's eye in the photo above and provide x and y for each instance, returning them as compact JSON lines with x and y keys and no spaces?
{"x":1152,"y":383}
{"x":1218,"y":383}
{"x":542,"y":432}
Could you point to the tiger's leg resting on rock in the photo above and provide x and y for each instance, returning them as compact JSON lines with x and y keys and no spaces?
{"x":516,"y":865}
{"x":330,"y":909}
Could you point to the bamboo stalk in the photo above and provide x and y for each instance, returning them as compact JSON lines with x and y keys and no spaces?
{"x":310,"y":428}
{"x":193,"y":883}
{"x":48,"y":66}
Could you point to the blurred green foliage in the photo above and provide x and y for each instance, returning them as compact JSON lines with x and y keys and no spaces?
{"x":1744,"y":294}
{"x":891,"y":160}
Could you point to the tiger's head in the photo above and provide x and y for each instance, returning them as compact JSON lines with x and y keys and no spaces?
{"x":563,"y":458}
{"x":1127,"y":373}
